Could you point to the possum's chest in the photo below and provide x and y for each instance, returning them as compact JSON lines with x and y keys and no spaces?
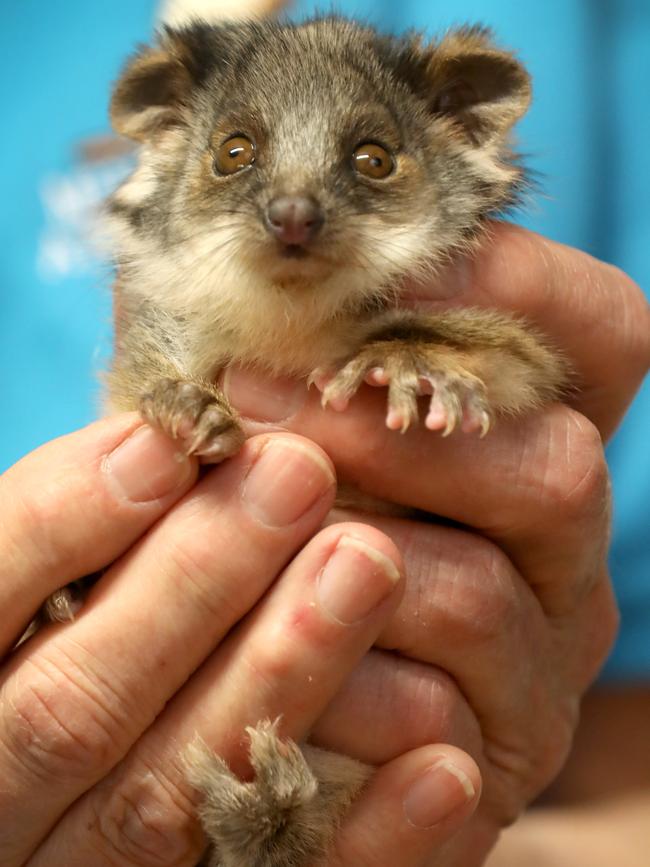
{"x":286,"y":333}
{"x":282,"y":345}
{"x":221,"y":314}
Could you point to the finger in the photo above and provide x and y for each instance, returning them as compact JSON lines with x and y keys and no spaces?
{"x":77,"y":696}
{"x":291,"y":656}
{"x":591,"y":310}
{"x":466,"y":611}
{"x":538,"y":487}
{"x":398,"y":704}
{"x":467,"y":614}
{"x":410,"y":809}
{"x":74,"y":505}
{"x":288,"y":658}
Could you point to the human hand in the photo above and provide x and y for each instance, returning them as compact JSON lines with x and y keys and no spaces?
{"x":505,"y":622}
{"x":94,"y":714}
{"x":176,"y":13}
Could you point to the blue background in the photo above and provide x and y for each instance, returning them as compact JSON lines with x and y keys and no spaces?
{"x":587,"y":134}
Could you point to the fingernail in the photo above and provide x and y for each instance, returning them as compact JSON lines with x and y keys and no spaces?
{"x":147,"y":466}
{"x":355,"y":579}
{"x":287,"y":478}
{"x":436,"y":794}
{"x":262,"y":398}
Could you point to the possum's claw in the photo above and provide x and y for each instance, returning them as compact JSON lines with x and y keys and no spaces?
{"x":458,"y":398}
{"x":198,"y":416}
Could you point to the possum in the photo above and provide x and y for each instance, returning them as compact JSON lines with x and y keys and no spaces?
{"x":290,"y":178}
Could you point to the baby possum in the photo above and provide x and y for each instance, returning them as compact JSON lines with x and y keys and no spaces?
{"x":290,"y":177}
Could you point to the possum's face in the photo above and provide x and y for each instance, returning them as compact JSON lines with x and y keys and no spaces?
{"x":320,"y":154}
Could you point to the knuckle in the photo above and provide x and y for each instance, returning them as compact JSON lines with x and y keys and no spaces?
{"x":51,"y":522}
{"x":439,"y":693}
{"x":430,"y":705}
{"x":460,"y":583}
{"x":484,"y":602}
{"x":59,"y":721}
{"x":634,"y":319}
{"x":553,"y":744}
{"x":618,"y":310}
{"x":556,"y":738}
{"x":522,"y":769}
{"x":37,"y":518}
{"x":401,"y":704}
{"x":197,"y":564}
{"x":598,"y":627}
{"x":272,"y":661}
{"x":147,"y":822}
{"x":571,"y":479}
{"x":608,"y":628}
{"x":586,"y":482}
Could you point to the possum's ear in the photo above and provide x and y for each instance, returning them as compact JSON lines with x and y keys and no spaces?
{"x":155,"y":88}
{"x":467,"y":78}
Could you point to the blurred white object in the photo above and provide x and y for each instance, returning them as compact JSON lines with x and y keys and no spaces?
{"x":177,"y":12}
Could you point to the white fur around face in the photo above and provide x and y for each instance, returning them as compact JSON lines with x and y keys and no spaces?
{"x":220,"y":283}
{"x":140,"y":185}
{"x":486,"y":163}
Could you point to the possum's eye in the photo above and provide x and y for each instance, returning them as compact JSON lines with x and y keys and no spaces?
{"x":234,"y":154}
{"x":372,"y":161}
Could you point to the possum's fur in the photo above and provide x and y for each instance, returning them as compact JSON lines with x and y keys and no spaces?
{"x":204,"y":280}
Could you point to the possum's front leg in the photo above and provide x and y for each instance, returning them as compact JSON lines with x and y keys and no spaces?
{"x":150,"y":373}
{"x":475,"y":364}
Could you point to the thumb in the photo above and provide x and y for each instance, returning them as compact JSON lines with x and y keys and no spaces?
{"x":410,"y":808}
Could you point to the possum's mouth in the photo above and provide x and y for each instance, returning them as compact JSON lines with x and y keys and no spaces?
{"x":292,"y":263}
{"x":293,"y":251}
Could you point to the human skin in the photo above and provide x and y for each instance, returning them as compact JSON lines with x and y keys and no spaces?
{"x":83,"y":720}
{"x":596,"y":812}
{"x":503,"y":624}
{"x":533,"y":497}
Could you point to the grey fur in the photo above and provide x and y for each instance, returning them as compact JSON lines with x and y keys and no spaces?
{"x":287,"y":816}
{"x":202,"y":283}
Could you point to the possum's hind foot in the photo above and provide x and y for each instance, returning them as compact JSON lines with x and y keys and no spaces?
{"x":287,"y":815}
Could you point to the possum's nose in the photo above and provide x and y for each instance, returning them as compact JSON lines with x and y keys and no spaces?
{"x":294,"y":220}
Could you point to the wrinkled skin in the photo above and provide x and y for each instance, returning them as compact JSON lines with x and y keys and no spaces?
{"x":502,"y":624}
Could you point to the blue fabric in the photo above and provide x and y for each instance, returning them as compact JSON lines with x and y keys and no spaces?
{"x":58,"y":65}
{"x":587,"y":134}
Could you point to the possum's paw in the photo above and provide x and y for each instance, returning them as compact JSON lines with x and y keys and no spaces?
{"x":458,"y":397}
{"x":273,"y":821}
{"x":61,"y":606}
{"x":199,"y":417}
{"x":64,"y":604}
